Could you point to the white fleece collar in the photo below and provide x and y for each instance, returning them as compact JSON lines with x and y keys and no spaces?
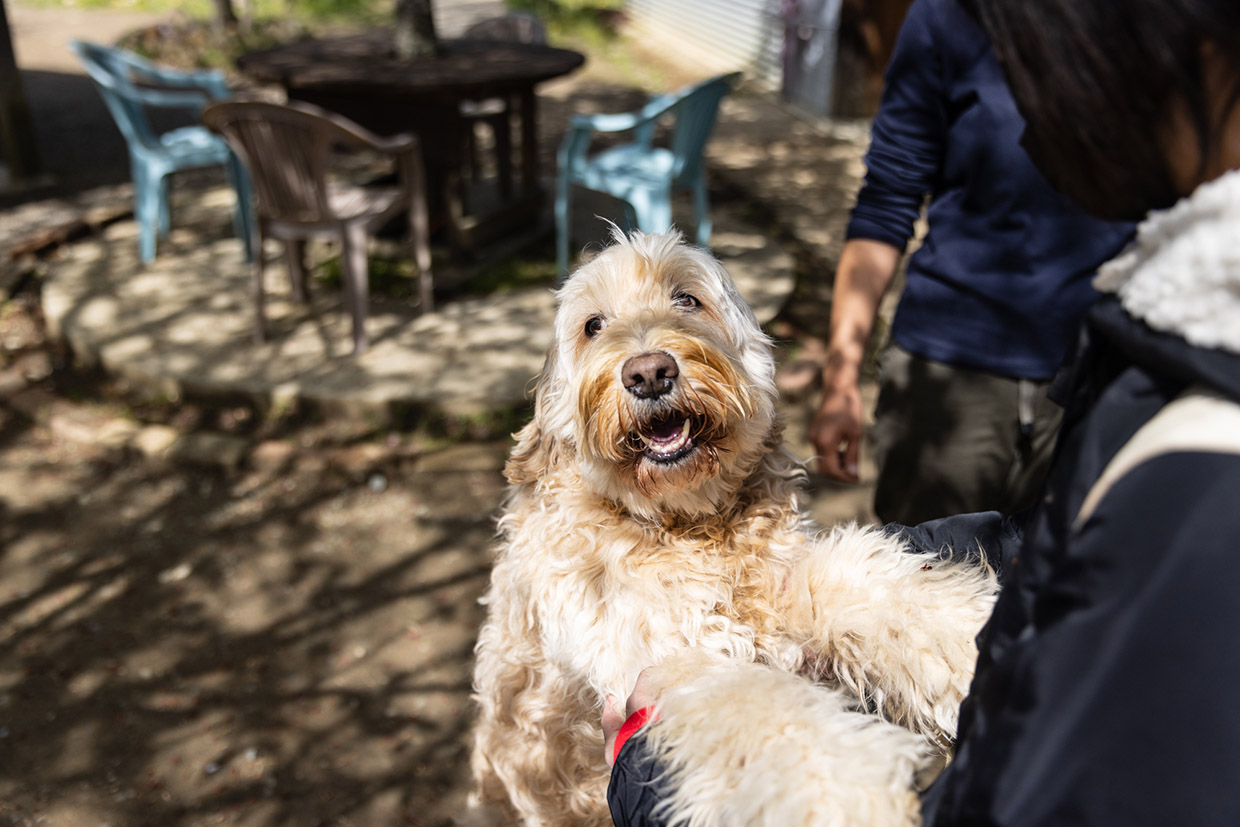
{"x":1182,"y":273}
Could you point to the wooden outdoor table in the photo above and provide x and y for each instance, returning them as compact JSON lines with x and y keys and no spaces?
{"x":360,"y":77}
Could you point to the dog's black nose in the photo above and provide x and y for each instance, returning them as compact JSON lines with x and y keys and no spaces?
{"x":650,"y":375}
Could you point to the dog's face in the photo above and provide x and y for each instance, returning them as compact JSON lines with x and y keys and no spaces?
{"x":659,"y":383}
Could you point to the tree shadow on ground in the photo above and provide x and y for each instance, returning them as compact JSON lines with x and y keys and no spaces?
{"x":285,"y":645}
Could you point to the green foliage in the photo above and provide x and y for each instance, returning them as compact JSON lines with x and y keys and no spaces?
{"x":489,"y":425}
{"x":353,"y":11}
{"x":579,"y":20}
{"x":556,"y":10}
{"x":533,"y":267}
{"x":394,"y":278}
{"x":304,"y":12}
{"x":198,"y":44}
{"x":190,"y":37}
{"x":187,"y":7}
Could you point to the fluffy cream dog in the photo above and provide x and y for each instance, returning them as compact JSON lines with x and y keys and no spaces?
{"x":655,"y":518}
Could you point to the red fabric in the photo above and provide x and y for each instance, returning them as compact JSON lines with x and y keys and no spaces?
{"x":634,"y":722}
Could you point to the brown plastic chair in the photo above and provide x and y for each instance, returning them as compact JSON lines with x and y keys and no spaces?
{"x":288,"y":151}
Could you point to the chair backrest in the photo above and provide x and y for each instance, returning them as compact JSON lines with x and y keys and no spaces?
{"x":287,"y":149}
{"x":518,"y":27}
{"x":130,"y":84}
{"x":695,"y":109}
{"x":112,"y":71}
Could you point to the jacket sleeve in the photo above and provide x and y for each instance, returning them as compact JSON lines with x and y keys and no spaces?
{"x":987,"y":536}
{"x":1118,"y":702}
{"x":908,"y":135}
{"x":634,"y":790}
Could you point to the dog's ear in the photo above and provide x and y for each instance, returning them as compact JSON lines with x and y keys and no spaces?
{"x":536,"y":452}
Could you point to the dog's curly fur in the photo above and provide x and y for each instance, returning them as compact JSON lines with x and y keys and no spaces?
{"x":663,"y":523}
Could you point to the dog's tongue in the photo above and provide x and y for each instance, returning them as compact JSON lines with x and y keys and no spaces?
{"x":667,"y":430}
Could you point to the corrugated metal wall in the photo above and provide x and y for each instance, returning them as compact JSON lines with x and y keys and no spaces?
{"x":721,"y":34}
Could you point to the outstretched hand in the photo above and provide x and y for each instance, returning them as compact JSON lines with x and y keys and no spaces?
{"x":614,"y":715}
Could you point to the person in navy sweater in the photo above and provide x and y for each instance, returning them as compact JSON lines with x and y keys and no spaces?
{"x":1106,"y":682}
{"x":992,"y":296}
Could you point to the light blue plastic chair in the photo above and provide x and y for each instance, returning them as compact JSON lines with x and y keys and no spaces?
{"x":130,"y":85}
{"x":640,"y":174}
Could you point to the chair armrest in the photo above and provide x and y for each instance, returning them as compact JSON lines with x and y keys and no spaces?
{"x":395,"y":144}
{"x":642,"y":122}
{"x":605,"y":122}
{"x":391,"y":144}
{"x":404,"y":148}
{"x":409,"y":165}
{"x":193,"y":100}
{"x":576,"y":142}
{"x":209,"y":81}
{"x":654,"y":109}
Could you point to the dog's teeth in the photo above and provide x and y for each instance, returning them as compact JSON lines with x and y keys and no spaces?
{"x":669,"y":446}
{"x":657,"y":445}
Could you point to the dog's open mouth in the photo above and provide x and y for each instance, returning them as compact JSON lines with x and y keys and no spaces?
{"x":667,"y":439}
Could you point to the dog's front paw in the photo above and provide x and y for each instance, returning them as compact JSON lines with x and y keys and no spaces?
{"x":896,"y":627}
{"x":746,"y":744}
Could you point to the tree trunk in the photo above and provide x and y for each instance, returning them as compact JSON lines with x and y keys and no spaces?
{"x":415,"y":29}
{"x":17,"y":141}
{"x":225,"y":16}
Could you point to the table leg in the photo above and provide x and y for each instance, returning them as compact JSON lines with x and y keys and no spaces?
{"x":529,"y":142}
{"x":454,"y":207}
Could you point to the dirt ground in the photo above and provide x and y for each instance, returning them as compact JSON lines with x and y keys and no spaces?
{"x":287,"y":642}
{"x":272,"y":628}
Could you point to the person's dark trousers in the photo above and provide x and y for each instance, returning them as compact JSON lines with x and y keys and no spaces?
{"x":949,"y":440}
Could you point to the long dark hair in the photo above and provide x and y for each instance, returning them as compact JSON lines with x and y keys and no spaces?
{"x":1099,"y":81}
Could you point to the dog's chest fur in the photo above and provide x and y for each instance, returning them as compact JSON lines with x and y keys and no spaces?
{"x":611,"y":594}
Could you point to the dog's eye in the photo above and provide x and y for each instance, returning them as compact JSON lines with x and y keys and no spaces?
{"x":685,"y":301}
{"x":594,"y":326}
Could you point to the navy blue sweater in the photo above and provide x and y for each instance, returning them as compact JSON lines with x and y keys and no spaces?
{"x":1002,"y":277}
